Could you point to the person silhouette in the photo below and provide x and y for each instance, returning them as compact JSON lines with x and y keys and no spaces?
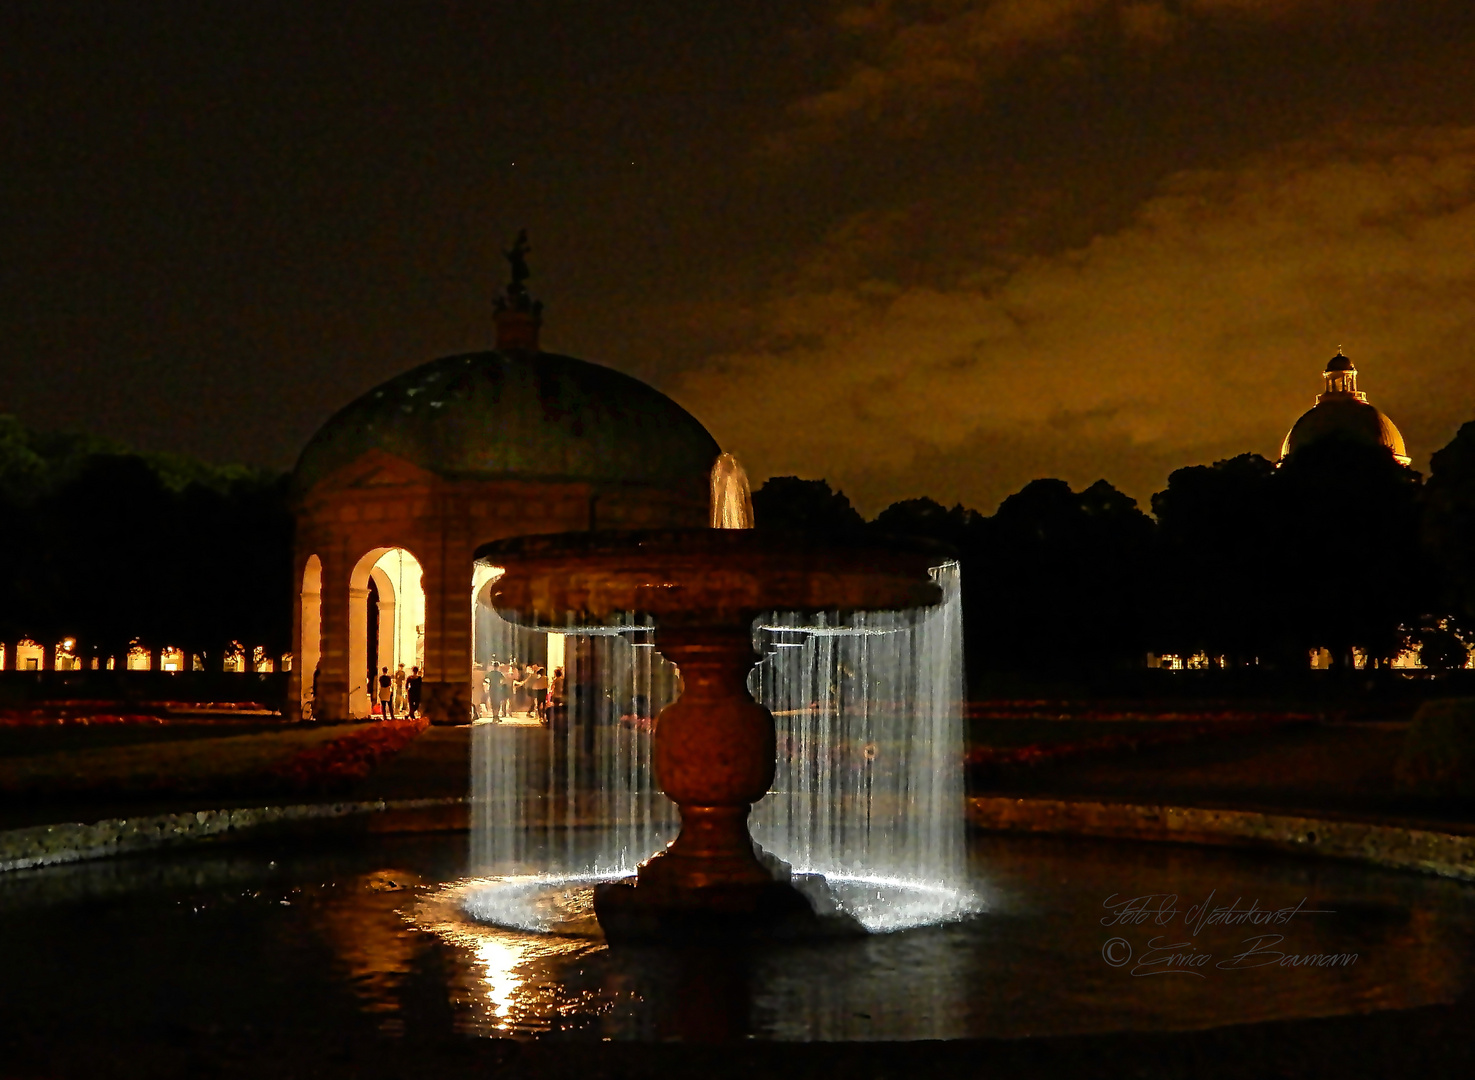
{"x":397,"y":699}
{"x":496,"y":690}
{"x":386,"y":694}
{"x":414,"y":688}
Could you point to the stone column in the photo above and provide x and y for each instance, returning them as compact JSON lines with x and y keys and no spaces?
{"x":447,"y":689}
{"x":333,"y":685}
{"x":359,"y":694}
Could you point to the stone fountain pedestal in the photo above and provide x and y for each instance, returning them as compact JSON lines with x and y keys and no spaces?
{"x":714,"y":746}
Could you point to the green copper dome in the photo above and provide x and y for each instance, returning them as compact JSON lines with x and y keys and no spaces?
{"x":533,"y":416}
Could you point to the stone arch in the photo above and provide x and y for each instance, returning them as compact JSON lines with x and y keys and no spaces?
{"x":398,"y":579}
{"x":386,"y":597}
{"x":494,"y":639}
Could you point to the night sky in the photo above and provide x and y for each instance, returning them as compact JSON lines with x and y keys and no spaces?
{"x":936,"y":247}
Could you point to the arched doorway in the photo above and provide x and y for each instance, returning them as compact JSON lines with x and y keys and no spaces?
{"x":312,"y":627}
{"x":386,"y":621}
{"x":494,"y":641}
{"x":612,"y":670}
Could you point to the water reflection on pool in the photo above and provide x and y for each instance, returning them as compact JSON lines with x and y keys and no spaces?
{"x":375,"y":934}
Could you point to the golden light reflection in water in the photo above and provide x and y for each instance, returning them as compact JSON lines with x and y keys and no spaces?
{"x":517,"y":989}
{"x":499,"y":959}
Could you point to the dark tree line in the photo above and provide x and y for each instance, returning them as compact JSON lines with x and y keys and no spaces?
{"x":110,"y":548}
{"x":1340,"y":547}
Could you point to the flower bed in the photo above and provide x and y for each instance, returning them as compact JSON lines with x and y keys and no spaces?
{"x":92,"y":763}
{"x":91,"y":713}
{"x":79,"y":718}
{"x":352,"y":757}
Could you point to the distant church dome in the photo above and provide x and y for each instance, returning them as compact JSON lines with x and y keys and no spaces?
{"x":1342,"y":411}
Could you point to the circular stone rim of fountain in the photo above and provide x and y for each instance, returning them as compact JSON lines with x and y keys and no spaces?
{"x":701,"y":576}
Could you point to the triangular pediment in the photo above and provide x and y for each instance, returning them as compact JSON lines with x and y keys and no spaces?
{"x":376,"y":469}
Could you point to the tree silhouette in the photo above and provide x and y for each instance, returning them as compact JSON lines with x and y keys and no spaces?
{"x":1442,"y":650}
{"x":1448,"y":524}
{"x":928,"y":519}
{"x":1346,"y":569}
{"x":808,"y":506}
{"x":1058,"y":575}
{"x":1215,"y":534}
{"x":108,"y":547}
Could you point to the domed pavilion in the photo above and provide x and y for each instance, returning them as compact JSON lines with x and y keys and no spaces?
{"x":397,"y":491}
{"x":1343,"y":411}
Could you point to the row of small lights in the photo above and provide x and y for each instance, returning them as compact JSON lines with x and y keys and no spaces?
{"x":67,"y":646}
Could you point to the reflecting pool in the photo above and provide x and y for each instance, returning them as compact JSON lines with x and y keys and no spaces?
{"x":385,"y":935}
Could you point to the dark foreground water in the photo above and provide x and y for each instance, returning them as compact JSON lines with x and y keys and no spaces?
{"x":1074,"y":937}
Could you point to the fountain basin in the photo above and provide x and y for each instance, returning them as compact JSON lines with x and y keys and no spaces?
{"x":329,"y":942}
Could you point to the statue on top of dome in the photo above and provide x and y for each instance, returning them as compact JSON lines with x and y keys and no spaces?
{"x":517,"y":257}
{"x":516,"y":296}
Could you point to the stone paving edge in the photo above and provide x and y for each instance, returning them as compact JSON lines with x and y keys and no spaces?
{"x":1402,"y":847}
{"x":49,"y":845}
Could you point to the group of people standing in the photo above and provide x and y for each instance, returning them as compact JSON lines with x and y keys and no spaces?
{"x":505,"y":689}
{"x":399,"y":694}
{"x":499,"y":692}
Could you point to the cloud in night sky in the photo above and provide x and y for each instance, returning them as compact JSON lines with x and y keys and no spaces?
{"x":918,"y":247}
{"x":1180,"y":337}
{"x":912,"y":57}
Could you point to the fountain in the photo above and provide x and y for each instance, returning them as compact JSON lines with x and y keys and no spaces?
{"x":714,"y":747}
{"x":732,"y":502}
{"x":396,"y":943}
